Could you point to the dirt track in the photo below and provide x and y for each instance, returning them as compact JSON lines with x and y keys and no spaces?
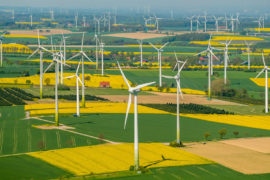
{"x":163,"y":98}
{"x":241,"y":159}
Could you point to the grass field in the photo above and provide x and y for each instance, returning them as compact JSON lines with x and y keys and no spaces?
{"x":161,"y":126}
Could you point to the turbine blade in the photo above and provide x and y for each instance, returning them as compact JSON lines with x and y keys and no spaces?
{"x":33,"y":53}
{"x":76,"y":55}
{"x":200,"y":53}
{"x":168,"y":77}
{"x":182,"y":67}
{"x":260,"y":73}
{"x":79,"y":80}
{"x":50,"y":65}
{"x":128,"y":107}
{"x":263,"y":59}
{"x":153,"y":46}
{"x":123,"y":75}
{"x":69,"y":77}
{"x":164,"y":45}
{"x":144,"y":85}
{"x":86,"y":57}
{"x":179,"y":87}
{"x":77,"y":70}
{"x":175,"y":66}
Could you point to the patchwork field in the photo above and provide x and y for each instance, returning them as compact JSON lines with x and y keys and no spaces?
{"x":138,"y":35}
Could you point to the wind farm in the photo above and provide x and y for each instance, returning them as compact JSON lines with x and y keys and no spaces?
{"x":152,"y":90}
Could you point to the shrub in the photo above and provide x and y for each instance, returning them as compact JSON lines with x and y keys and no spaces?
{"x":28,"y":81}
{"x":236,"y":133}
{"x":222,"y":132}
{"x":206,"y":135}
{"x":62,"y":87}
{"x":47,"y":81}
{"x":176,"y":144}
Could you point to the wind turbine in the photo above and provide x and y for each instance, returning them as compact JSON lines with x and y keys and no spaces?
{"x":1,"y":53}
{"x":97,"y":20}
{"x":40,"y":49}
{"x":31,"y":20}
{"x":63,"y":55}
{"x":76,"y":20}
{"x":265,"y":69}
{"x":97,"y":42}
{"x":198,"y":23}
{"x":226,"y":59}
{"x":159,"y":50}
{"x":205,"y":23}
{"x":78,"y":80}
{"x":52,"y":15}
{"x":157,"y":22}
{"x":191,"y":22}
{"x":177,"y":79}
{"x":210,"y":55}
{"x":248,"y":51}
{"x":84,"y":21}
{"x":141,"y":50}
{"x":134,"y":91}
{"x":82,"y":54}
{"x":216,"y":23}
{"x":226,"y":22}
{"x":102,"y":57}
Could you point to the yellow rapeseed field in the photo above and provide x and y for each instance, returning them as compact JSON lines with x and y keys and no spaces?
{"x":24,"y":36}
{"x":27,"y":23}
{"x":221,"y":66}
{"x":70,"y":108}
{"x":16,"y":48}
{"x":253,"y":121}
{"x":174,"y":90}
{"x":261,"y":29}
{"x":260,"y":81}
{"x":213,"y":43}
{"x":116,"y":157}
{"x":235,"y":38}
{"x":68,"y":62}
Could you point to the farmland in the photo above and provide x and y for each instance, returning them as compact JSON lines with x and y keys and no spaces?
{"x":134,"y":93}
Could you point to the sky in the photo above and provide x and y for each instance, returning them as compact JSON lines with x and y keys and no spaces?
{"x":250,"y":5}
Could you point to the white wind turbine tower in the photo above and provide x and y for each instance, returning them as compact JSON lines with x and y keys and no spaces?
{"x":102,"y":56}
{"x":191,"y":23}
{"x":1,"y":48}
{"x":63,"y":56}
{"x":76,"y":20}
{"x":216,"y":23}
{"x":159,"y":50}
{"x":248,"y":51}
{"x":141,"y":50}
{"x":78,"y":80}
{"x":198,"y":23}
{"x":259,"y":25}
{"x":179,"y":92}
{"x":55,"y":62}
{"x":265,"y":69}
{"x":31,"y":20}
{"x":134,"y":91}
{"x":52,"y":15}
{"x":40,"y":49}
{"x":97,"y":20}
{"x":97,"y":51}
{"x":13,"y":15}
{"x":226,"y":22}
{"x":205,"y":23}
{"x":210,"y":55}
{"x":84,"y":21}
{"x":83,"y":55}
{"x":232,"y":23}
{"x":226,"y":59}
{"x":157,"y":22}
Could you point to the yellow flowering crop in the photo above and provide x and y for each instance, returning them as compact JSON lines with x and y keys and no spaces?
{"x":27,"y":23}
{"x":16,"y":48}
{"x":44,"y":19}
{"x":24,"y":36}
{"x":213,"y":43}
{"x":253,"y":121}
{"x":235,"y":38}
{"x":260,"y":81}
{"x":116,"y":157}
{"x":174,"y":90}
{"x":70,"y":108}
{"x":261,"y":29}
{"x":68,"y":62}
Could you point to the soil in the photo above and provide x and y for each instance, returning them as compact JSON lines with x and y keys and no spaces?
{"x":164,"y":98}
{"x":241,"y":159}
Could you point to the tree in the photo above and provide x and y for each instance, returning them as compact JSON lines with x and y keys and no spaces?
{"x":222,"y":132}
{"x":47,"y":81}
